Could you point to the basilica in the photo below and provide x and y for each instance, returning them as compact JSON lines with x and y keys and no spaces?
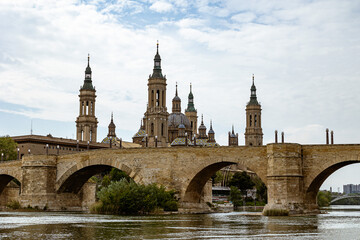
{"x":158,"y":127}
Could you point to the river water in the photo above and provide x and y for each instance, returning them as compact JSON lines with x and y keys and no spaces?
{"x":340,"y":222}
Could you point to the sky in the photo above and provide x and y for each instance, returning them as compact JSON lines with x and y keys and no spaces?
{"x":304,"y":54}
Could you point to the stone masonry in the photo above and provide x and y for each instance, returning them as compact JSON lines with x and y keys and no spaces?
{"x":293,"y":173}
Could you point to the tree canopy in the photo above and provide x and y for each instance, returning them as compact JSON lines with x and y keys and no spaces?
{"x":242,"y":181}
{"x":8,"y":148}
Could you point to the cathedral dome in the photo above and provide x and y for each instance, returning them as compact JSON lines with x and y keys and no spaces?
{"x":175,"y":119}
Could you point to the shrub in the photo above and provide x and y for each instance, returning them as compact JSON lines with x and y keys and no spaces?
{"x":13,"y":204}
{"x":124,"y":197}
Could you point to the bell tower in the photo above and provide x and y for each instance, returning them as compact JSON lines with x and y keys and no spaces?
{"x":191,"y":113}
{"x":156,"y":114}
{"x":86,"y":122}
{"x":253,"y":131}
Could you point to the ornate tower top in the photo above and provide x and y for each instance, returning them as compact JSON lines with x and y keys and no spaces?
{"x":157,"y":64}
{"x":176,"y":102}
{"x":88,"y":82}
{"x":253,"y":98}
{"x":211,"y":131}
{"x":190,"y":107}
{"x":112,"y":127}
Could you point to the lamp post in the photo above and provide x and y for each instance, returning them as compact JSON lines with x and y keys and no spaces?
{"x":2,"y":156}
{"x":88,"y":145}
{"x":155,"y":141}
{"x":146,"y":140}
{"x":120,"y":142}
{"x":77,"y":145}
{"x":18,"y":153}
{"x":29,"y":151}
{"x":186,"y":140}
{"x":47,"y":149}
{"x":57,"y":149}
{"x":194,"y":140}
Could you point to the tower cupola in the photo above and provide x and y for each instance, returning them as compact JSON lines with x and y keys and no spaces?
{"x":202,"y":129}
{"x":112,"y":127}
{"x":253,"y":98}
{"x":88,"y":82}
{"x":157,"y":64}
{"x":176,"y":102}
{"x":190,"y":107}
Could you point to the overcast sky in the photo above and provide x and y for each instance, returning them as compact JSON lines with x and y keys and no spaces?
{"x":305,"y":56}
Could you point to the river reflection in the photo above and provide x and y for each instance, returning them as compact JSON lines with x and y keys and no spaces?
{"x":339,"y":223}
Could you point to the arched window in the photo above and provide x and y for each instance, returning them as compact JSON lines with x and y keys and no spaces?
{"x":162,"y":129}
{"x":157,"y":98}
{"x":152,"y":98}
{"x":250,"y":120}
{"x":255,"y":120}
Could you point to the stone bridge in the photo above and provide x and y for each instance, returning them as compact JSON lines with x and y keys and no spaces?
{"x":293,"y":173}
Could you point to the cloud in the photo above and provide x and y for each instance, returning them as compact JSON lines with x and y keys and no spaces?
{"x":244,"y":17}
{"x":161,"y":6}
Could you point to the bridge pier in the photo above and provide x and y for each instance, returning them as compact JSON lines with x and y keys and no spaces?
{"x":38,"y":183}
{"x":285,"y":179}
{"x":38,"y":189}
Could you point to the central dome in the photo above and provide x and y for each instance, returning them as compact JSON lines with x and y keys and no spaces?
{"x":175,"y":119}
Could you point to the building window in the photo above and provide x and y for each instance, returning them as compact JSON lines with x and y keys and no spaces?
{"x":152,"y":129}
{"x":255,"y":120}
{"x":157,"y":98}
{"x":250,"y":120}
{"x":162,"y":129}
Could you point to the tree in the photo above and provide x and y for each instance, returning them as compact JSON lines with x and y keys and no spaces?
{"x":323,"y":198}
{"x":242,"y":181}
{"x":8,"y":148}
{"x":235,"y":196}
{"x":261,"y":189}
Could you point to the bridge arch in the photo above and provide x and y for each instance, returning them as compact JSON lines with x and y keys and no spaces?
{"x":196,"y":184}
{"x":316,"y":181}
{"x":5,"y":179}
{"x":344,"y":197}
{"x":76,"y":176}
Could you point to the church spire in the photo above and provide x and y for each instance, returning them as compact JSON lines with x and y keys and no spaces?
{"x":157,"y":64}
{"x":112,"y":127}
{"x":253,"y":98}
{"x":190,"y":107}
{"x":176,"y":102}
{"x":88,"y":82}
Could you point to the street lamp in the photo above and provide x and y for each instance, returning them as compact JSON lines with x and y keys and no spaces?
{"x":88,"y":145}
{"x":18,"y":155}
{"x":120,"y":142}
{"x":57,"y":149}
{"x":47,"y":149}
{"x":2,"y":156}
{"x":155,"y":141}
{"x":29,"y":151}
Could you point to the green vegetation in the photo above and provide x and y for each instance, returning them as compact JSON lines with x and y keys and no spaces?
{"x":276,"y":212}
{"x":323,"y":198}
{"x":13,"y":204}
{"x":242,"y":181}
{"x":236,"y":196}
{"x":8,"y":148}
{"x":127,"y":197}
{"x":220,"y":178}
